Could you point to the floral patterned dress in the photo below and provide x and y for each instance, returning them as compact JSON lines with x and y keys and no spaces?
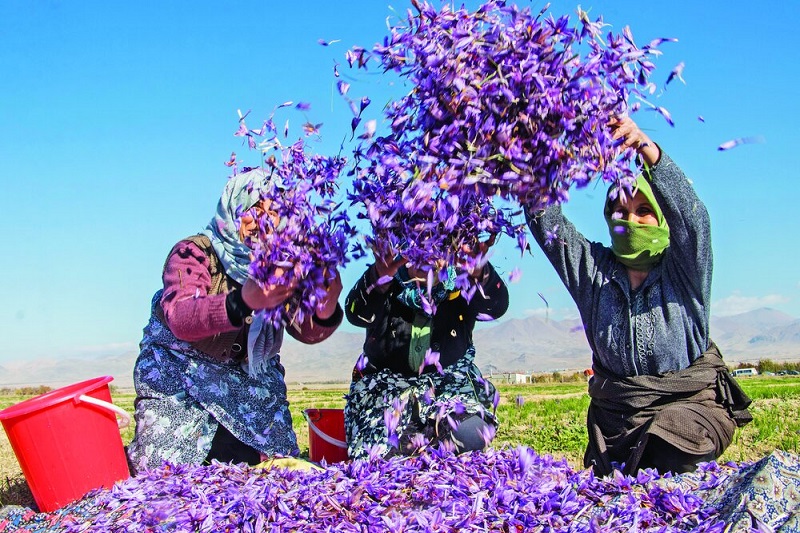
{"x":183,"y":394}
{"x":386,"y":404}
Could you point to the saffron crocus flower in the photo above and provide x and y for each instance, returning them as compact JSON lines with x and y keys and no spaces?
{"x":506,"y":489}
{"x":727,"y":145}
{"x":550,"y":236}
{"x":431,"y":358}
{"x":306,"y":236}
{"x":362,"y":362}
{"x":677,"y":72}
{"x":504,"y":107}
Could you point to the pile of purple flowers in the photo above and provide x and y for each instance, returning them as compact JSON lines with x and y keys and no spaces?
{"x":305,"y":235}
{"x":503,"y":104}
{"x":498,"y":490}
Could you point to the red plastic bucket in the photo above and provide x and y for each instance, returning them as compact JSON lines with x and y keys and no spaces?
{"x":326,"y":435}
{"x":67,"y":442}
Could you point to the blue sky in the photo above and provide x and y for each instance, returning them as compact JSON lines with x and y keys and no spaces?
{"x":116,"y":118}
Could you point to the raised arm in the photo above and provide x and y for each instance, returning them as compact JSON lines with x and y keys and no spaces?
{"x":327,"y":316}
{"x":689,"y":224}
{"x":574,"y":258}
{"x":491,"y":298}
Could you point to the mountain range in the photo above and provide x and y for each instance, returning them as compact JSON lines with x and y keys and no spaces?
{"x":526,"y":345}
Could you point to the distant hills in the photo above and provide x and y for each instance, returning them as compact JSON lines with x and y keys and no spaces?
{"x":532,"y":344}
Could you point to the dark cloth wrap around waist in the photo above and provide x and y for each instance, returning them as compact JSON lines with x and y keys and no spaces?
{"x":696,"y":410}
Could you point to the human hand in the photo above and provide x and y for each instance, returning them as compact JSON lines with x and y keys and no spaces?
{"x":326,"y":306}
{"x":625,"y":128}
{"x":480,"y":255}
{"x":386,"y":266}
{"x":269,"y":296}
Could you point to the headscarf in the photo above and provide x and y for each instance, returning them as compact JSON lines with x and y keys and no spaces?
{"x":637,"y":246}
{"x":242,"y":192}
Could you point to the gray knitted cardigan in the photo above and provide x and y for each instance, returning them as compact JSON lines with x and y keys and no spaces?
{"x":663,"y":325}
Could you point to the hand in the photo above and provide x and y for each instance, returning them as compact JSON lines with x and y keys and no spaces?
{"x":267,"y":297}
{"x":386,"y":266}
{"x":625,"y":128}
{"x":481,"y":255}
{"x":326,"y":307}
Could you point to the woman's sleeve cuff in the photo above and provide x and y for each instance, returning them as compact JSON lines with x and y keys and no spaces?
{"x":332,"y":321}
{"x":236,"y":308}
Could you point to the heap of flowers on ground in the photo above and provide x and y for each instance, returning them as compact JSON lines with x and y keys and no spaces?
{"x":507,"y":489}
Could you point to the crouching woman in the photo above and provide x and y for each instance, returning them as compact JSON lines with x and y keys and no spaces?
{"x":661,"y":395}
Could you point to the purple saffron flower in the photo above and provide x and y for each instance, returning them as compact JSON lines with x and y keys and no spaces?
{"x":727,"y":145}
{"x":676,"y":72}
{"x":362,"y":362}
{"x":431,"y":358}
{"x":458,"y":153}
{"x":306,"y":236}
{"x":551,"y":235}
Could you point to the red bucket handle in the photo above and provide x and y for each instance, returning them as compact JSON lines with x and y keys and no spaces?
{"x":327,"y":438}
{"x":124,"y":418}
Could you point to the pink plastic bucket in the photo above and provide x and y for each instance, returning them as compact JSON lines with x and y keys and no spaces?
{"x":67,"y":441}
{"x":326,"y":435}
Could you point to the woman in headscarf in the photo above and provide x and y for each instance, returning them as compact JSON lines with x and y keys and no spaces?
{"x":416,"y":383}
{"x":208,"y":378}
{"x":661,"y":395}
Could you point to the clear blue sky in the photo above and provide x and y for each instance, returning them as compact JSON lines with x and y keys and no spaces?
{"x":116,"y":118}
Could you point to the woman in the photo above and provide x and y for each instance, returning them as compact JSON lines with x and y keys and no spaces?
{"x":208,"y":378}
{"x":661,"y":396}
{"x":416,"y":382}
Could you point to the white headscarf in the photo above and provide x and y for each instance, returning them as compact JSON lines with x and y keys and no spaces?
{"x":241,"y":193}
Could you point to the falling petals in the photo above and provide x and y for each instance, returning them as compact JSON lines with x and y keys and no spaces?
{"x":369,"y":129}
{"x":306,"y":236}
{"x":676,"y":72}
{"x":504,"y":107}
{"x":727,"y":145}
{"x":664,"y":113}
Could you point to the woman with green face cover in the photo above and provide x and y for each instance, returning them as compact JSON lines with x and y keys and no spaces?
{"x":661,"y":395}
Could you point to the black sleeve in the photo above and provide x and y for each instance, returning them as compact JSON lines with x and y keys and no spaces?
{"x":491,"y":297}
{"x":332,"y":321}
{"x":235,"y":307}
{"x":365,"y":300}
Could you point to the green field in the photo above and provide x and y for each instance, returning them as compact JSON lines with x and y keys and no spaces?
{"x":550,"y":418}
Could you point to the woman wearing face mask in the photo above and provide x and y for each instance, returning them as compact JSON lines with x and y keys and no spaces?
{"x":209,"y":381}
{"x":401,"y":398}
{"x":661,"y":395}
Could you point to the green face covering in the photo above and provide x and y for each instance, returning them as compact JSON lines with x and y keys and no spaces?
{"x":638,"y":246}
